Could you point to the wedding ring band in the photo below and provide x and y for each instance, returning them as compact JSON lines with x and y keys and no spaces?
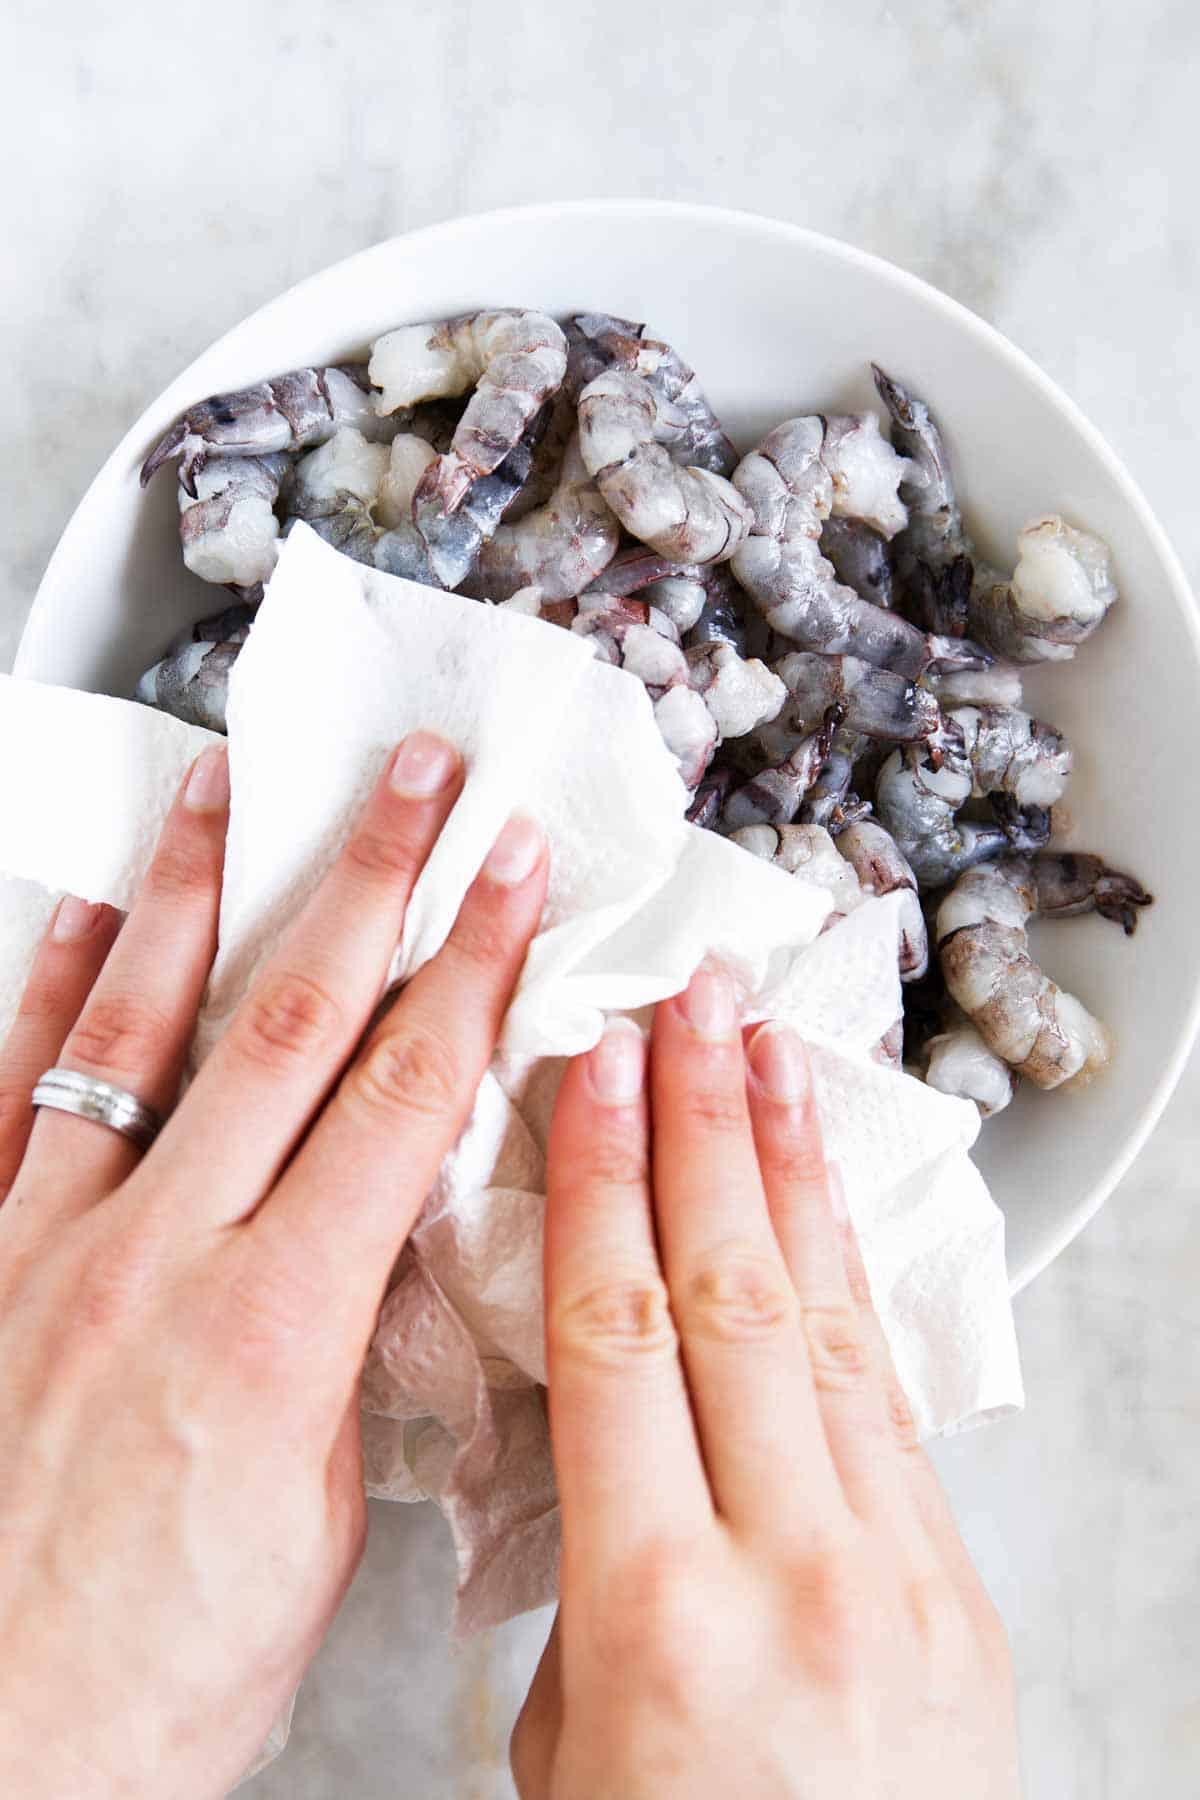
{"x":88,"y":1098}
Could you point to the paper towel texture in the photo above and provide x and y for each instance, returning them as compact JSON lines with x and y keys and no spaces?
{"x":340,"y":664}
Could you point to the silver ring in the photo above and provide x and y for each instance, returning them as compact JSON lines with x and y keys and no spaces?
{"x":67,"y":1091}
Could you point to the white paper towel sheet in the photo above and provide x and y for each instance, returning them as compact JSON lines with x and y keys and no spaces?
{"x":340,"y":664}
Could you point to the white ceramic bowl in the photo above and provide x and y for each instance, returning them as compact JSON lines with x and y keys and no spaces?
{"x":779,"y":321}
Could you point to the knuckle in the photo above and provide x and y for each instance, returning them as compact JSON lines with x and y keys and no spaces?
{"x":380,"y":855}
{"x":737,"y":1296}
{"x":122,"y":1034}
{"x":712,"y":1111}
{"x":413,"y":1071}
{"x":481,"y":939}
{"x":796,"y":1163}
{"x":900,"y":1415}
{"x":834,"y":1612}
{"x":611,"y":1165}
{"x":112,"y":1282}
{"x":837,"y":1349}
{"x":268,"y":1303}
{"x":180,"y":870}
{"x":656,"y":1613}
{"x":618,"y":1324}
{"x":289,"y":1018}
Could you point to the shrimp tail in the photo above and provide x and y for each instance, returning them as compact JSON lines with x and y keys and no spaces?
{"x":164,"y":450}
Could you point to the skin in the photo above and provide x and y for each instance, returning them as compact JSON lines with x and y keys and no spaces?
{"x":762,"y":1590}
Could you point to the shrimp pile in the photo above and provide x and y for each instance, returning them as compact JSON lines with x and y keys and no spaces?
{"x":834,"y":668}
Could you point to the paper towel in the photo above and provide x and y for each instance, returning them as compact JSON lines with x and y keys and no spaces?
{"x":340,"y":664}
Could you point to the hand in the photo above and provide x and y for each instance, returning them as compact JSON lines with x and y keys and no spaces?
{"x":763,"y":1593}
{"x":181,"y":1333}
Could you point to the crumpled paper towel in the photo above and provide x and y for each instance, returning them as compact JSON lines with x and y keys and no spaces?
{"x":341,"y":663}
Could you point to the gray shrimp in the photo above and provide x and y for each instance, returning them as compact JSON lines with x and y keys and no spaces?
{"x":228,"y":528}
{"x":192,"y":683}
{"x":993,"y":752}
{"x":292,"y":412}
{"x":685,"y":513}
{"x":861,"y":558}
{"x":934,"y":539}
{"x":790,"y":492}
{"x":775,"y":795}
{"x":830,"y":801}
{"x":882,"y":868}
{"x":559,"y":548}
{"x":1039,"y":1031}
{"x":702,"y":601}
{"x":873,"y":701}
{"x":604,"y":342}
{"x":957,"y":1061}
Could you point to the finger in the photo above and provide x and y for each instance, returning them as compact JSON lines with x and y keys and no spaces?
{"x":806,"y":1204}
{"x":733,"y":1303}
{"x":290,"y":1037}
{"x":355,"y":1188}
{"x":625,"y":1447}
{"x":68,"y":961}
{"x":535,"y":1735}
{"x":136,"y":1024}
{"x":932,"y":1506}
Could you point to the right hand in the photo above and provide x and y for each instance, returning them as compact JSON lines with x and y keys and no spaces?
{"x":763,"y":1591}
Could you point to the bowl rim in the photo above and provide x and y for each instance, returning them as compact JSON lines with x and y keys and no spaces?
{"x":1017,"y":361}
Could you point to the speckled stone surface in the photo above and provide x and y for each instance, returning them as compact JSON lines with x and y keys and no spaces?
{"x":171,"y":169}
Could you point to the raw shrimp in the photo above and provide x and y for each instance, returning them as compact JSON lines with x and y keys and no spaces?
{"x":685,"y":513}
{"x":998,"y":685}
{"x":872,"y":700}
{"x":829,"y":801}
{"x":709,"y":798}
{"x":344,"y":467}
{"x":559,"y":548}
{"x":722,"y":616}
{"x":986,"y":752}
{"x":934,"y":539}
{"x":774,"y":796}
{"x":409,"y":457}
{"x":227,"y":523}
{"x":192,"y":683}
{"x":289,"y":413}
{"x":791,"y":493}
{"x":1060,"y":590}
{"x":881,"y":868}
{"x":960,"y":1063}
{"x":605,"y":342}
{"x":860,"y":556}
{"x":514,"y":360}
{"x":1037,"y":1029}
{"x":739,"y":693}
{"x":810,"y":852}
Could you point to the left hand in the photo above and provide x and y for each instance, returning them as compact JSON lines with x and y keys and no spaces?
{"x":181,"y":1334}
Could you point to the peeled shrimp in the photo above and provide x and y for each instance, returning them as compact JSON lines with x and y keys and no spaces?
{"x":605,"y":342}
{"x":791,"y":493}
{"x":227,"y":523}
{"x":860,"y":557}
{"x":345,"y":466}
{"x":934,"y":538}
{"x":988,"y":752}
{"x":560,"y":547}
{"x":872,"y":700}
{"x":774,"y":796}
{"x":1037,"y":1029}
{"x":685,"y":513}
{"x":961,"y":1064}
{"x":810,"y":852}
{"x":740,"y":693}
{"x":830,"y":801}
{"x":881,"y":868}
{"x":1060,"y":590}
{"x":192,"y":683}
{"x":289,"y":413}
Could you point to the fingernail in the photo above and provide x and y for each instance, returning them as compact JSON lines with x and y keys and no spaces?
{"x":779,"y":1061}
{"x":207,"y":787}
{"x":707,"y":1002}
{"x":423,"y":765}
{"x":513,"y":857}
{"x":73,"y":919}
{"x":617,"y":1064}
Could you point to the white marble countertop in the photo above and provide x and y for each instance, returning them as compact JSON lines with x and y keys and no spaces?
{"x":168,"y":171}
